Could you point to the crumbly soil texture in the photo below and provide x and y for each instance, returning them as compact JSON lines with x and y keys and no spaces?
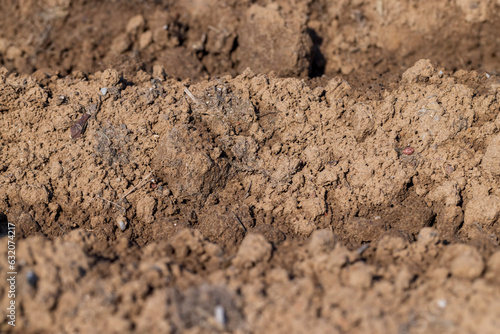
{"x":250,"y":166}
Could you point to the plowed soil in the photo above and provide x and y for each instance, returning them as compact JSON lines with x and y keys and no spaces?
{"x":250,"y":166}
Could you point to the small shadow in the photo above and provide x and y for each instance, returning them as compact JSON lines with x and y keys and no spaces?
{"x":318,"y":61}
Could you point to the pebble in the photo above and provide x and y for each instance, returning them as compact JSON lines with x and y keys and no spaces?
{"x":122,"y":222}
{"x":32,"y":278}
{"x":220,"y":315}
{"x":409,"y":150}
{"x":441,"y":303}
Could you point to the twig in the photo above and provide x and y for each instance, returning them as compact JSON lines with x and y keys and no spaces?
{"x":188,"y":93}
{"x":362,"y":249}
{"x":143,"y":182}
{"x":62,"y":230}
{"x":479,"y":228}
{"x":248,"y":190}
{"x":239,"y":221}
{"x":347,"y":182}
{"x":214,"y":29}
{"x":115,"y":204}
{"x":102,"y":134}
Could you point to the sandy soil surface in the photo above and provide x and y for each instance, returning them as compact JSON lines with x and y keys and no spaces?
{"x":250,"y":166}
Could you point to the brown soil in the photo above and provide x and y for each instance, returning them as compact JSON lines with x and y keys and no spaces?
{"x":251,"y":166}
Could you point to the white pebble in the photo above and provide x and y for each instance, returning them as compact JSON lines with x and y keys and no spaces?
{"x":442,"y":303}
{"x":220,"y":315}
{"x":122,"y":222}
{"x":104,"y":91}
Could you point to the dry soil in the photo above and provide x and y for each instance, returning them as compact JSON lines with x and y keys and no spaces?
{"x":251,"y":166}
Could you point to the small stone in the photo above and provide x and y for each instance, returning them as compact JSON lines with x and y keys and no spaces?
{"x":408,"y":150}
{"x":449,"y":169}
{"x":122,"y":222}
{"x":220,"y":316}
{"x":441,"y":303}
{"x":104,"y":91}
{"x":32,"y":278}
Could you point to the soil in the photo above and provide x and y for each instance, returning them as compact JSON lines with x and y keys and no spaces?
{"x":251,"y":166}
